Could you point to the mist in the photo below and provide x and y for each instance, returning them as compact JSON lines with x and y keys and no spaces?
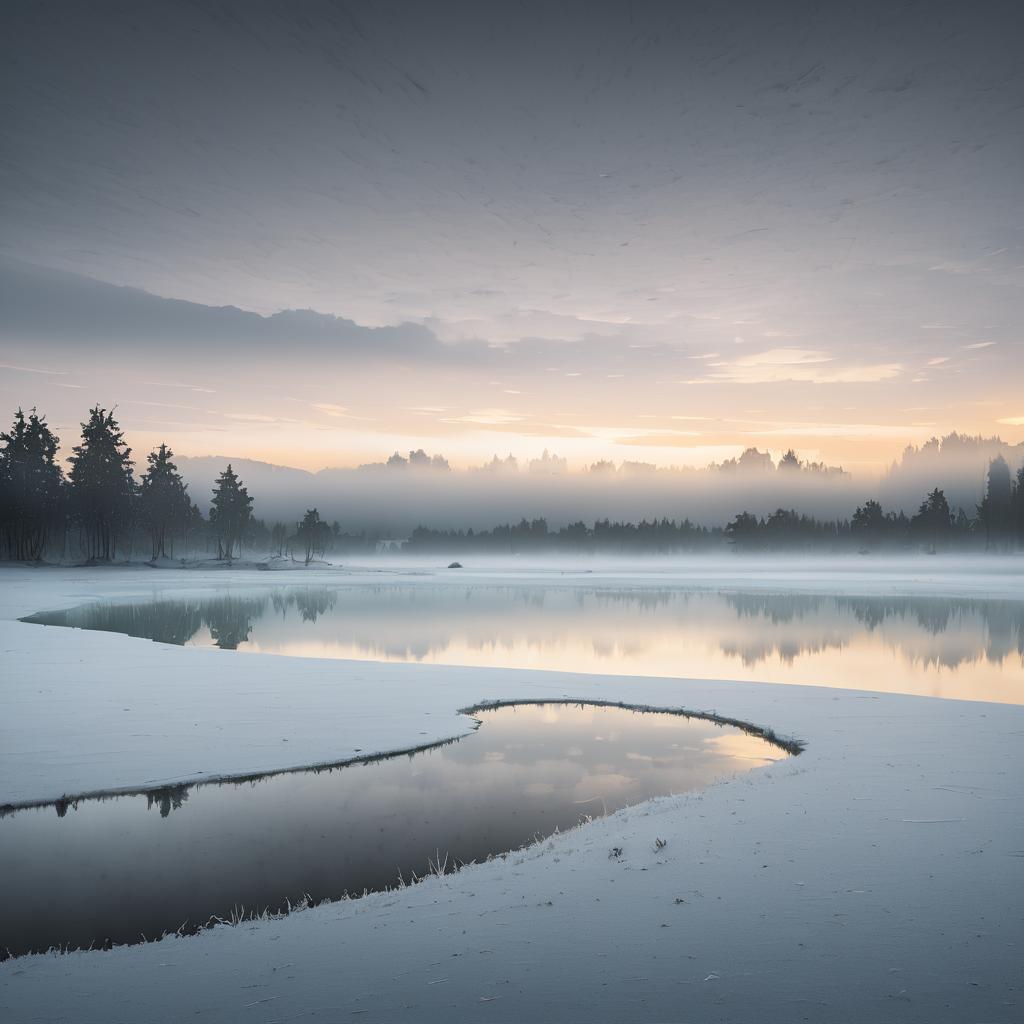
{"x":392,"y":500}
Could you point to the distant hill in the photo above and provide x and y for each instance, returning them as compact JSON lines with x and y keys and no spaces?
{"x":265,"y":481}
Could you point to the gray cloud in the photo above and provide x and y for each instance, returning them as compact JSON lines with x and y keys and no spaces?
{"x":544,"y":208}
{"x":803,"y":166}
{"x":65,"y":310}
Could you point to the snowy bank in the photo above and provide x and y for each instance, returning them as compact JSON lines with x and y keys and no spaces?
{"x":876,"y":877}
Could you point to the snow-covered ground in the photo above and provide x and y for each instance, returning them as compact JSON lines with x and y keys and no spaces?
{"x":876,"y":877}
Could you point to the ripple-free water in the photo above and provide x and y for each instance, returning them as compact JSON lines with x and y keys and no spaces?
{"x":130,"y":867}
{"x":933,"y":646}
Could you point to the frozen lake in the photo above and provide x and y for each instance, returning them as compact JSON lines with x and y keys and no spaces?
{"x":871,"y":878}
{"x":968,"y":648}
{"x":116,"y":869}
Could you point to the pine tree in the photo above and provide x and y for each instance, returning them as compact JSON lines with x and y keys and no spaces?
{"x":868,"y":522}
{"x":789,"y":461}
{"x":995,"y":513}
{"x":102,"y":487}
{"x":314,"y":534}
{"x":230,"y":513}
{"x":32,"y":489}
{"x":1017,"y":507}
{"x":164,"y":504}
{"x":934,"y":520}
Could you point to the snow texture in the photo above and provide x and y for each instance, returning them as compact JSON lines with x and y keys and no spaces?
{"x":876,"y":877}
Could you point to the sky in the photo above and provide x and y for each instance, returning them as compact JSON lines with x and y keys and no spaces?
{"x":631,"y":231}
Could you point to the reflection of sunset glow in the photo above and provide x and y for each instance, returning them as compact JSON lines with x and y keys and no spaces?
{"x":514,"y":780}
{"x":967,"y":655}
{"x":931,"y":646}
{"x":743,"y":747}
{"x":863,"y":663}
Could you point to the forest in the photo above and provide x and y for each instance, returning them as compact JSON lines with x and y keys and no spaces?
{"x":97,"y":510}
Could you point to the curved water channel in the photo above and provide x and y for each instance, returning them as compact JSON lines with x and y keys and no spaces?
{"x":128,"y":868}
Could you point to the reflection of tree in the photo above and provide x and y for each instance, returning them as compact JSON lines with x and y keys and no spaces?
{"x":169,"y":799}
{"x":990,"y":629}
{"x":774,"y":608}
{"x":312,"y":602}
{"x":1002,"y":622}
{"x":645,"y":600}
{"x":230,"y":620}
{"x":168,"y":622}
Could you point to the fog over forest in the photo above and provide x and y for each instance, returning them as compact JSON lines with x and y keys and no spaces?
{"x":393,"y":497}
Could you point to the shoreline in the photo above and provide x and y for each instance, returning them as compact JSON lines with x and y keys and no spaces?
{"x":797,"y":899}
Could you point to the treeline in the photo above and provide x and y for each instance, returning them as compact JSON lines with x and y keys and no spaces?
{"x":658,"y":536}
{"x":997,"y":524}
{"x":98,"y":511}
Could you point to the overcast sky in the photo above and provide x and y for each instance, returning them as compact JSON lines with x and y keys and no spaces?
{"x":632,"y":230}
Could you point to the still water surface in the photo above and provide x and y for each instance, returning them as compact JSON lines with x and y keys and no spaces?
{"x":123,"y":868}
{"x":935,"y":646}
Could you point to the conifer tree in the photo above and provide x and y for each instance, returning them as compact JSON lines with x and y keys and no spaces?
{"x":102,"y":487}
{"x":314,"y":534}
{"x":1017,"y":507}
{"x":789,"y":461}
{"x":163,"y":501}
{"x":32,"y":489}
{"x":995,"y":513}
{"x":230,"y":513}
{"x":934,"y":519}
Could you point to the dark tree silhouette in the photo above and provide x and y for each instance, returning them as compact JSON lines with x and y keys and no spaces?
{"x":995,"y":513}
{"x":743,"y":530}
{"x":230,"y":513}
{"x":102,"y":487}
{"x":1017,"y":506}
{"x":789,"y":461}
{"x":313,"y":534}
{"x":868,"y":522}
{"x":32,"y":488}
{"x":230,"y":621}
{"x":164,"y":504}
{"x":934,"y":520}
{"x":169,"y":799}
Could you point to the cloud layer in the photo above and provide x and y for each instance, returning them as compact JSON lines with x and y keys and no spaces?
{"x":563,"y":223}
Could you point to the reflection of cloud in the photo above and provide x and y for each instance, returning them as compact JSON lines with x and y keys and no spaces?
{"x":944,"y":646}
{"x":539,"y":788}
{"x":743,"y":747}
{"x":602,"y":783}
